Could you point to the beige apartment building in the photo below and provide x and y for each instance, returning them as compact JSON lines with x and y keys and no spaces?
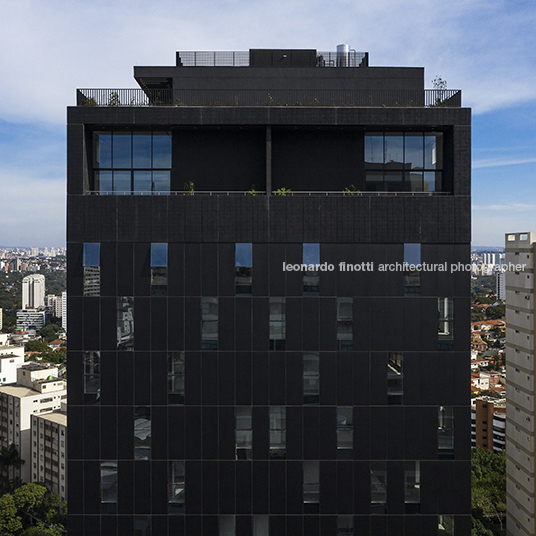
{"x":49,"y":450}
{"x":520,"y":409}
{"x":38,"y":390}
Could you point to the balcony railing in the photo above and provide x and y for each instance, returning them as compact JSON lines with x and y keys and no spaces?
{"x":243,"y":59}
{"x":426,"y":98}
{"x":287,"y":193}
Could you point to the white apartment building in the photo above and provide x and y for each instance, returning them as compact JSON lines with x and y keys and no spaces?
{"x":64,"y":310}
{"x":11,"y":358}
{"x":49,"y":450}
{"x":520,"y":407}
{"x":38,"y":390}
{"x":33,"y":291}
{"x":501,"y":285}
{"x":28,"y":319}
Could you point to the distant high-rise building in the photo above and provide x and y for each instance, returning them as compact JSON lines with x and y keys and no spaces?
{"x":501,"y":285}
{"x":488,"y":424}
{"x":34,"y":252}
{"x":520,"y":389}
{"x":64,"y":310}
{"x":33,"y":291}
{"x":55,"y":303}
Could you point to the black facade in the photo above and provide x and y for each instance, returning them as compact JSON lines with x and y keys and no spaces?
{"x":213,"y":392}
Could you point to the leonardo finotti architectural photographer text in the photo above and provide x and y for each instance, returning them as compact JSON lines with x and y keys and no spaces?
{"x":396,"y":267}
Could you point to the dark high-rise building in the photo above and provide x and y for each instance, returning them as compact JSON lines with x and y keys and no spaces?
{"x":248,"y":353}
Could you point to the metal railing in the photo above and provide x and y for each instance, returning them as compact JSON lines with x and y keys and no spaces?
{"x":287,"y":193}
{"x":228,"y":97}
{"x":188,"y":58}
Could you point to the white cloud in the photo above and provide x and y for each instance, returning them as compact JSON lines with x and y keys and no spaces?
{"x":477,"y":164}
{"x":508,"y":207}
{"x":56,"y":46}
{"x":51,"y":48}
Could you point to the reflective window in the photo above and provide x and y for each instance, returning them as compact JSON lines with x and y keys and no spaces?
{"x":143,"y":181}
{"x":345,"y":320}
{"x":445,"y":432}
{"x":209,"y":323}
{"x":394,"y":149}
{"x":345,"y":525}
{"x":176,"y":487}
{"x":395,"y":378}
{"x":243,"y":268}
{"x":125,"y":323}
{"x":141,"y":150}
{"x":374,"y":148}
{"x":176,"y":378}
{"x":278,"y":328}
{"x":345,"y":432}
{"x":159,"y":254}
{"x":132,"y":162}
{"x":91,"y":264}
{"x":278,"y":432}
{"x":227,"y":525}
{"x":261,"y":525}
{"x":311,"y":378}
{"x":91,"y":377}
{"x":445,"y":324}
{"x":161,"y":150}
{"x":244,"y":433}
{"x":108,"y":485}
{"x":102,"y":150}
{"x":311,"y":258}
{"x":412,"y":272}
{"x":404,"y":161}
{"x":311,"y":253}
{"x":445,"y":525}
{"x":378,"y":487}
{"x":433,"y":150}
{"x":311,"y":485}
{"x":159,"y":270}
{"x":413,"y":150}
{"x":91,"y":254}
{"x":121,"y":149}
{"x":412,"y":487}
{"x":142,"y":433}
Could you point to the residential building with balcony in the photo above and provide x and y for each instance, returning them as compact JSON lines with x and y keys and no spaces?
{"x":49,"y":450}
{"x":488,"y":423}
{"x":38,"y":390}
{"x":213,"y":390}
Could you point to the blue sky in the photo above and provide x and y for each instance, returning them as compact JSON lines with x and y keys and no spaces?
{"x":486,"y":48}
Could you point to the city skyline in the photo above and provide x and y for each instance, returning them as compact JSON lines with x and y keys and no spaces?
{"x":477,"y":47}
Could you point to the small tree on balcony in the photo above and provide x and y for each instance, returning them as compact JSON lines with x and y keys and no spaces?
{"x":441,"y":85}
